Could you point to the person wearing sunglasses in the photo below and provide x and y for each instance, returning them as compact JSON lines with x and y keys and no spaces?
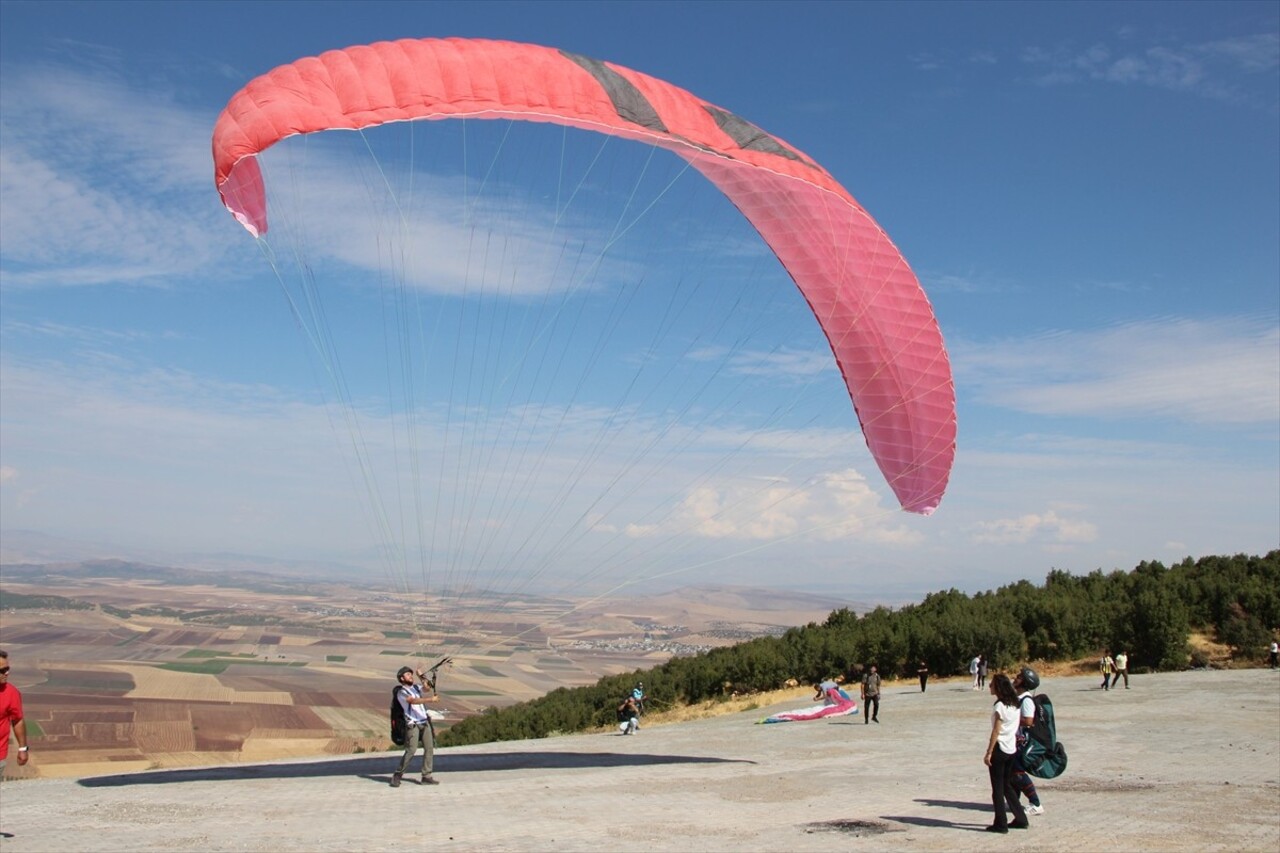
{"x":10,"y":716}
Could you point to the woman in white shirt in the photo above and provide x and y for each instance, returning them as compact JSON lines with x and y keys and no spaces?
{"x":1001,"y":749}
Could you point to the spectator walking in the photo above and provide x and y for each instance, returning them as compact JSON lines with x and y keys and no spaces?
{"x":871,"y":695}
{"x":973,"y":669}
{"x":1108,"y":666}
{"x":1275,"y":654}
{"x":982,"y":671}
{"x":1122,"y":669}
{"x":923,"y":672}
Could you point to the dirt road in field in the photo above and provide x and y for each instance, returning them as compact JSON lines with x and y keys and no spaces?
{"x":1187,"y":761}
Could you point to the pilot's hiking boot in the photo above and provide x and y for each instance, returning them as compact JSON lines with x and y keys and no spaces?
{"x":395,"y":779}
{"x":429,"y":780}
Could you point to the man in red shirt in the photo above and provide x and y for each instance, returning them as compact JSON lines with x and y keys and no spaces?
{"x":10,"y":716}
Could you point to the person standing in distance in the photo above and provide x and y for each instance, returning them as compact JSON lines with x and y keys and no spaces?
{"x":871,"y":694}
{"x":420,"y":732}
{"x":11,"y":717}
{"x":923,"y":672}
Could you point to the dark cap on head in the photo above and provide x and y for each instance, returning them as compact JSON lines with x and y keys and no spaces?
{"x":403,"y":670}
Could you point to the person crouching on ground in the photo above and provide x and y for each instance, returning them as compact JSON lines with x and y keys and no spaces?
{"x":629,"y":716}
{"x":1001,"y":750}
{"x":420,"y":732}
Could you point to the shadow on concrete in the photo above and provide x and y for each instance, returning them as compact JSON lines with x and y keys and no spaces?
{"x":935,"y":823}
{"x":379,"y":768}
{"x":957,"y":804}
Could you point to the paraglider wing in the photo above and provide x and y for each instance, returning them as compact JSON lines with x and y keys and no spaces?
{"x":837,"y":704}
{"x":870,"y":306}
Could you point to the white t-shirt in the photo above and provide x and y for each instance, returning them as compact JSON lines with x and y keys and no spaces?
{"x":1008,"y":737}
{"x":1027,"y":705}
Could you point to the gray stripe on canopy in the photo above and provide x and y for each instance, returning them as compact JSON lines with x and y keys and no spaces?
{"x":627,"y":100}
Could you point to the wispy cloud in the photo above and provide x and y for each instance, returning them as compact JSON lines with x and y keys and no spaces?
{"x":1222,"y":371}
{"x":1048,"y":526}
{"x":781,"y":363}
{"x":108,"y":183}
{"x":1222,"y":69}
{"x":103,"y":183}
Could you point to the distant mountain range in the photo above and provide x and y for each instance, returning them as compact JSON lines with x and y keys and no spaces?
{"x":690,"y":605}
{"x":33,"y":555}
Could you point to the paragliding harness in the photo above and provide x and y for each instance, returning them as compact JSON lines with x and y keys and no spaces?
{"x":399,"y":725}
{"x":1039,"y":752}
{"x":399,"y":728}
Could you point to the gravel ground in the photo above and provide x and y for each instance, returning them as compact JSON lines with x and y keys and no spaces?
{"x":1186,"y":761}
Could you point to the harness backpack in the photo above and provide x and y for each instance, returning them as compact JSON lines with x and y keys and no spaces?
{"x":399,"y":728}
{"x":1041,"y":754}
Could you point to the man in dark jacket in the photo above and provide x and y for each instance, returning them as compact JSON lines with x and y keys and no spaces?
{"x":870,"y":695}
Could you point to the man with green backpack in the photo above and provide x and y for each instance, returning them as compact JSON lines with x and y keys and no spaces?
{"x":1039,"y":751}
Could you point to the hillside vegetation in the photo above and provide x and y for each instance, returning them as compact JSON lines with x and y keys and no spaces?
{"x":1149,"y":611}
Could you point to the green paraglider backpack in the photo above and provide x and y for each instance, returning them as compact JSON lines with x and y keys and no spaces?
{"x":1041,"y":754}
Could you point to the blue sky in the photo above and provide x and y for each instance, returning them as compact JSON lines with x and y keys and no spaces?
{"x":1089,"y":194}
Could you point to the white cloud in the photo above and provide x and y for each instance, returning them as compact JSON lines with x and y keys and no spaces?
{"x":1218,"y":69}
{"x":830,"y":507}
{"x":781,"y":363}
{"x":1047,"y":527}
{"x":1222,"y":371}
{"x":1254,"y":54}
{"x":102,"y":184}
{"x":330,"y":200}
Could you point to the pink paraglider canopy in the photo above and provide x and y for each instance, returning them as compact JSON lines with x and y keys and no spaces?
{"x":872,"y":310}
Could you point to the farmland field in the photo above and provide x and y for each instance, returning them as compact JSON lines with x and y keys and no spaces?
{"x":160,"y":675}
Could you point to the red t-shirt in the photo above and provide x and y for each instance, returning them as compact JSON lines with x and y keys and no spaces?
{"x":10,"y":713}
